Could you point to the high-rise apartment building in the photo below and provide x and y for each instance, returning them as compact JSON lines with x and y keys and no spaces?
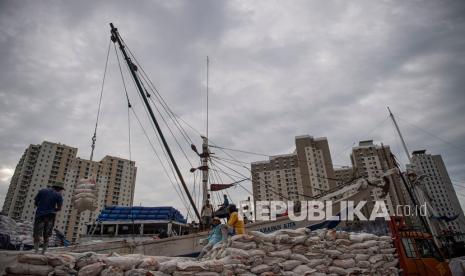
{"x":44,"y":164}
{"x":39,"y":166}
{"x":277,"y":178}
{"x":439,"y":188}
{"x":306,"y":172}
{"x":371,"y":161}
{"x":343,"y":175}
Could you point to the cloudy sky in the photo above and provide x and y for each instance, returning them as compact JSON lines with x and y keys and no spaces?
{"x":277,"y":69}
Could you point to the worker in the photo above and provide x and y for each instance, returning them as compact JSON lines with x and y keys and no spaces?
{"x":207,"y":214}
{"x":235,"y":222}
{"x":48,"y":202}
{"x":218,"y":233}
{"x":222,"y":212}
{"x":225,"y":203}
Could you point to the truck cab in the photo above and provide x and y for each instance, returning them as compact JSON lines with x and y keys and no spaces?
{"x":418,"y":253}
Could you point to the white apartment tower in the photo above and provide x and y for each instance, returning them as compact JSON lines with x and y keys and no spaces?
{"x":344,"y":175}
{"x":42,"y":165}
{"x":439,"y":188}
{"x":303,"y":174}
{"x":371,"y":161}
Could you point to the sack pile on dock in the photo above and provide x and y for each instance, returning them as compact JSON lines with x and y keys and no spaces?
{"x":305,"y":252}
{"x":285,"y":252}
{"x":20,"y":232}
{"x":85,"y":264}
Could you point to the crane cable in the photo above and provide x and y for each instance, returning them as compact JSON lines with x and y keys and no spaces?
{"x":94,"y":137}
{"x":127,"y":99}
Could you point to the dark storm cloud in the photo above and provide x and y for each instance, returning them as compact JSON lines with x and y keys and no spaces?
{"x":278,"y":69}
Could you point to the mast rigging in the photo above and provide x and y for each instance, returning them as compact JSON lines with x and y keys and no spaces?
{"x":115,"y":37}
{"x":400,"y":135}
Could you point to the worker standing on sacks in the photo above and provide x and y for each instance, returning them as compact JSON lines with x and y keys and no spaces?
{"x":48,"y":202}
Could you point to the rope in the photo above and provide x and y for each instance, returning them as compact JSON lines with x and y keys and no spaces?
{"x":243,"y":151}
{"x":219,"y":180}
{"x":166,"y":158}
{"x":181,"y":196}
{"x":159,"y":112}
{"x":165,"y":153}
{"x":128,"y":101}
{"x":235,"y":181}
{"x":159,"y":97}
{"x":94,"y":137}
{"x":145,"y":79}
{"x":129,"y":133}
{"x":433,"y":135}
{"x":172,"y":134}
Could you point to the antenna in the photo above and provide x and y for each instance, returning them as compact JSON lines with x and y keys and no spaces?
{"x":208,"y":65}
{"x":205,"y":152}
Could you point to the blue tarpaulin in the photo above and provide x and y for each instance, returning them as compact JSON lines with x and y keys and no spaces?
{"x":141,"y":213}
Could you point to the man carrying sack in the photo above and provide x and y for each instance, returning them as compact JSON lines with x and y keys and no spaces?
{"x":48,"y":202}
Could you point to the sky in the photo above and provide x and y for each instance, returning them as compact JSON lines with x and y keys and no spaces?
{"x":277,"y":69}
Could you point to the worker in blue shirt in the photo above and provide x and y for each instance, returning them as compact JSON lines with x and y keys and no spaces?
{"x":48,"y":202}
{"x":218,"y":233}
{"x":225,"y":202}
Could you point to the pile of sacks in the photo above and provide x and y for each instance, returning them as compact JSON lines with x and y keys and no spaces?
{"x":84,"y":264}
{"x":305,"y":252}
{"x":285,"y":252}
{"x":23,"y":235}
{"x":85,"y":195}
{"x":20,"y":232}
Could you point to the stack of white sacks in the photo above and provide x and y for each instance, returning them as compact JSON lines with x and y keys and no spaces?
{"x":20,"y":232}
{"x":285,"y":252}
{"x":85,"y":195}
{"x":301,"y":252}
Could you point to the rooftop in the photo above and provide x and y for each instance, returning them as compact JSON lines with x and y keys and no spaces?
{"x":419,"y":152}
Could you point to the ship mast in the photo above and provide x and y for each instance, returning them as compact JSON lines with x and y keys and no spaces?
{"x":205,"y":154}
{"x":417,"y":191}
{"x":115,"y":37}
{"x":400,"y":135}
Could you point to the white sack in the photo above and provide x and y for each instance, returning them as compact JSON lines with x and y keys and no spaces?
{"x":29,"y":269}
{"x":112,"y":271}
{"x":91,"y":270}
{"x":290,"y":264}
{"x":34,"y":259}
{"x":123,"y":262}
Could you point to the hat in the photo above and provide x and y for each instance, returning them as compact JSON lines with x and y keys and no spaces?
{"x":59,"y":185}
{"x":216,"y":218}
